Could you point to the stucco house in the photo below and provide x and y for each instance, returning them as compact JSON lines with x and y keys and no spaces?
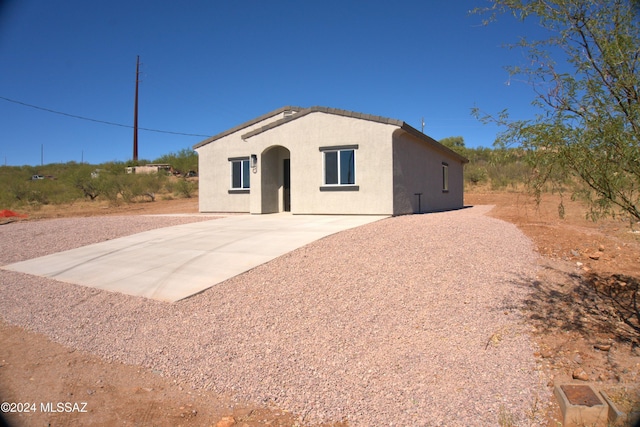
{"x":326,"y":161}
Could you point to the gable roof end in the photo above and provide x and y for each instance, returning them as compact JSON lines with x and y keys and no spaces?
{"x":378,"y":119}
{"x":247,"y":124}
{"x":317,"y":109}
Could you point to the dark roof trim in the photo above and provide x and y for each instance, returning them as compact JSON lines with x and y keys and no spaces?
{"x":433,"y":143}
{"x":327,"y":110}
{"x":339,"y":147}
{"x":247,"y":124}
{"x":301,"y":112}
{"x":378,"y":119}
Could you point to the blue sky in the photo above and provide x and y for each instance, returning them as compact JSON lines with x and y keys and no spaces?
{"x":209,"y":65}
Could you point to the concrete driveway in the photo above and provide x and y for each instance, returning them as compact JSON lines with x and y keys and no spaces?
{"x":173,"y":263}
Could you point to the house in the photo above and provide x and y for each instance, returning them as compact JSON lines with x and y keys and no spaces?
{"x":326,"y":161}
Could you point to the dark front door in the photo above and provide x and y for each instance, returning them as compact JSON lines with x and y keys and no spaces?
{"x":287,"y":185}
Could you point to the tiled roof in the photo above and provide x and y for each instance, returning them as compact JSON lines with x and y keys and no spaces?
{"x":301,"y":112}
{"x":247,"y":124}
{"x":378,"y":119}
{"x":327,"y":110}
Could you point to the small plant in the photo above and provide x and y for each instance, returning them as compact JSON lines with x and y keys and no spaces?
{"x":506,"y":418}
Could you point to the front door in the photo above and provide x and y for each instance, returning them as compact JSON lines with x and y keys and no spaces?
{"x":286,"y":193}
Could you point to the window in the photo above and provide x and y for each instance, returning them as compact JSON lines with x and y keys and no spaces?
{"x":240,"y":174}
{"x":445,"y":177}
{"x":340,"y":167}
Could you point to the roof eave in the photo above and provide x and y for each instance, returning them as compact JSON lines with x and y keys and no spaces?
{"x":433,"y":143}
{"x":327,"y":110}
{"x":247,"y":124}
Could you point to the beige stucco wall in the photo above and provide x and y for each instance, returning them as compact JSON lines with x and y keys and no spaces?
{"x":418,"y":169}
{"x":270,"y":182}
{"x":215,"y":172}
{"x":303,"y":138}
{"x":390,"y":166}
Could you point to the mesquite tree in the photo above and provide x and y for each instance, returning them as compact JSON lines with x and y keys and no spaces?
{"x":585,"y":74}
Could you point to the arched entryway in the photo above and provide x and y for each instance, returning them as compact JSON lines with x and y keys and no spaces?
{"x":276,"y":179}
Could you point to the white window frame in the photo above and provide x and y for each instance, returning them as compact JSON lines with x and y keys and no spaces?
{"x":242,"y":161}
{"x":324,"y":166}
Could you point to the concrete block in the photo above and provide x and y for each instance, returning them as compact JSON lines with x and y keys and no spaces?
{"x":616,"y":416}
{"x":581,"y":406}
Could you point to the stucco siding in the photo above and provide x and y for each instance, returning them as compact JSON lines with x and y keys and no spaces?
{"x":271,"y":170}
{"x":215,"y":171}
{"x":418,"y":168}
{"x":385,"y":162}
{"x":305,"y":136}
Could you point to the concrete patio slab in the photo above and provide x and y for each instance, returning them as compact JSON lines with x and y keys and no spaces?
{"x":173,"y":263}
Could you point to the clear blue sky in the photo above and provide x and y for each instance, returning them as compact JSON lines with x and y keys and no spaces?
{"x":209,"y":65}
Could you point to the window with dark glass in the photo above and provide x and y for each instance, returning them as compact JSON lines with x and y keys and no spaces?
{"x":445,"y":177}
{"x":240,"y":174}
{"x":339,"y":167}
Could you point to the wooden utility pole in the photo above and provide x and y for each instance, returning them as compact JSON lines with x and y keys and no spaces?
{"x":135,"y":114}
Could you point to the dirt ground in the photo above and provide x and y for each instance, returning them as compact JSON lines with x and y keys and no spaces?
{"x":586,"y":288}
{"x":589,"y":273}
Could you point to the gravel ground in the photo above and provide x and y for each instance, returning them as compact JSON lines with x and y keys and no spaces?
{"x":413,"y":320}
{"x":24,"y":240}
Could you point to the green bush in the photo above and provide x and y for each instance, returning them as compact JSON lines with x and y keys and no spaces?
{"x":184,"y":161}
{"x":500,"y":168}
{"x":81,"y":179}
{"x":185,"y":188}
{"x":475,"y":174}
{"x":68,"y":182}
{"x":116,"y":187}
{"x":512,"y":174}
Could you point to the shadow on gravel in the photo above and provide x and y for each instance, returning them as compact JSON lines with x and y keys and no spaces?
{"x":594,"y":303}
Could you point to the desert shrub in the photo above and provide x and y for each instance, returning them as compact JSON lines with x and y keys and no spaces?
{"x":52,"y":191}
{"x":118,"y":186}
{"x":185,"y":188}
{"x":500,"y":168}
{"x":38,"y":192}
{"x":475,"y":174}
{"x":68,"y":182}
{"x":144,"y":186}
{"x":129,"y":187}
{"x":63,"y":183}
{"x":479,"y":155}
{"x":183,"y":161}
{"x":82,"y":180}
{"x":508,"y":174}
{"x":110,"y":185}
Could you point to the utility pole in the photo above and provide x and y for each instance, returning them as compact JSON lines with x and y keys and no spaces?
{"x":423,"y":125}
{"x":135,"y":114}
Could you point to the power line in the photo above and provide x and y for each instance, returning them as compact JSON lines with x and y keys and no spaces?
{"x":99,"y":121}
